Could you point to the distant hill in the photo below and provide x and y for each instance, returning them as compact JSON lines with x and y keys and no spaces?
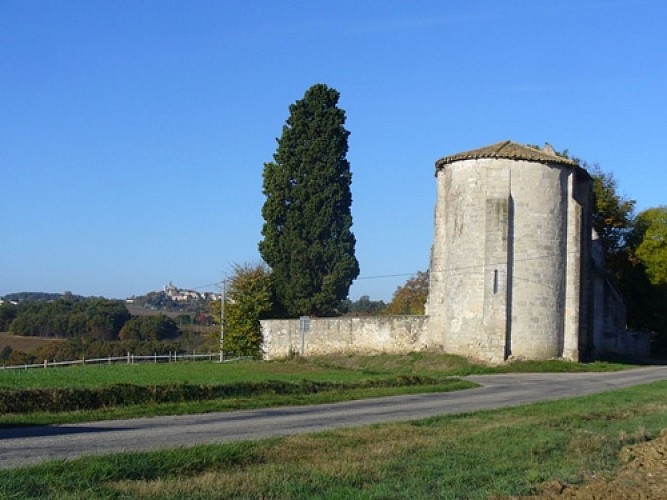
{"x":174,"y":300}
{"x":38,"y":296}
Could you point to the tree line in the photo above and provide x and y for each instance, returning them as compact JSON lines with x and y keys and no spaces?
{"x":40,"y":296}
{"x":94,"y":319}
{"x":66,"y":317}
{"x":91,"y":327}
{"x":635,"y":253}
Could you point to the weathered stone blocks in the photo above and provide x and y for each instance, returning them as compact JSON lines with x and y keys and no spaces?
{"x":506,"y":261}
{"x":349,"y":335}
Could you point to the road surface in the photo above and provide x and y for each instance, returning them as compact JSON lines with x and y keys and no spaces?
{"x":31,"y":445}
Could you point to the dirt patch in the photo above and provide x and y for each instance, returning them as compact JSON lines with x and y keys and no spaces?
{"x":642,"y":476}
{"x":25,"y":344}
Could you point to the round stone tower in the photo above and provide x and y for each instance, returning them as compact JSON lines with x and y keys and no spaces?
{"x":509,"y":273}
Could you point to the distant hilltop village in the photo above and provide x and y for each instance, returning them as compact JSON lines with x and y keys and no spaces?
{"x":182,"y":295}
{"x":169,"y":297}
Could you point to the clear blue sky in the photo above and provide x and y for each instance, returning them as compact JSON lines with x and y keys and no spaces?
{"x":133,"y":133}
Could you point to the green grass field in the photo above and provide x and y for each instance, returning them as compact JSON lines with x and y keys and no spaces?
{"x":498,"y":453}
{"x":328,"y":368}
{"x":203,"y":372}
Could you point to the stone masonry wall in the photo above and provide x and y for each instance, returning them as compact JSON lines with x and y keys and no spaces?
{"x":348,"y":335}
{"x":540,"y":194}
{"x":498,"y":262}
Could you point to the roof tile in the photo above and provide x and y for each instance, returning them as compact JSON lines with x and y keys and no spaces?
{"x":509,"y":150}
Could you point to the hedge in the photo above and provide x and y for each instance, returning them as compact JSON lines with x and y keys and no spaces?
{"x":75,"y":399}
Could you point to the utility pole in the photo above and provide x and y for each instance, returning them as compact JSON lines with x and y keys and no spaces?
{"x":222,"y":320}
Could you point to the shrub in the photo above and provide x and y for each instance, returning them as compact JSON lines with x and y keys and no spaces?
{"x":5,"y":353}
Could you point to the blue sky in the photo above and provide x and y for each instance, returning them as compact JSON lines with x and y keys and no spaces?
{"x":133,"y":133}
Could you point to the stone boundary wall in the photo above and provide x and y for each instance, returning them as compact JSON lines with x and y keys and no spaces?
{"x":347,"y":335}
{"x":635,"y":345}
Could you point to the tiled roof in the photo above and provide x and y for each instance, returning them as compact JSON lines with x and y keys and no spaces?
{"x":509,"y":150}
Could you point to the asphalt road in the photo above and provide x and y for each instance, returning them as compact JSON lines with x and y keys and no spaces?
{"x":31,"y":445}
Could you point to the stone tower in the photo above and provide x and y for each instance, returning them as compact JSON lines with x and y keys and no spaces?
{"x":510,"y":272}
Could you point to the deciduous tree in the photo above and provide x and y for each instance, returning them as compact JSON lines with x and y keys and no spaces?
{"x":651,"y":235}
{"x":613,"y":215}
{"x":411,"y":297}
{"x":249,"y":298}
{"x":644,"y":281}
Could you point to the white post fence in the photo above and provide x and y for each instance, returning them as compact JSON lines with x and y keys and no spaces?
{"x":128,"y":359}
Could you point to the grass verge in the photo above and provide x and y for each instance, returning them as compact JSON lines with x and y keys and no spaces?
{"x":434,"y":364}
{"x":480,"y":455}
{"x":259,"y":396}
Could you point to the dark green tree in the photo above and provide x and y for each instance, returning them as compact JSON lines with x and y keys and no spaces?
{"x":158,"y":327}
{"x":8,"y":312}
{"x":308,"y":242}
{"x":5,"y":352}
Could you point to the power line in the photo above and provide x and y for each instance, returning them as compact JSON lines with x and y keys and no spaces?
{"x":217,"y":283}
{"x":385,"y":276}
{"x":449,"y":270}
{"x":525,"y":259}
{"x":471,"y":267}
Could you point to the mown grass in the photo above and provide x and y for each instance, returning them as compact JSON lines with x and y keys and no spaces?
{"x":479,"y":455}
{"x":326,"y":368}
{"x":203,"y":372}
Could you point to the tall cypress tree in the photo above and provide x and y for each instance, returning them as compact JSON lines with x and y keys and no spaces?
{"x":307,"y":238}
